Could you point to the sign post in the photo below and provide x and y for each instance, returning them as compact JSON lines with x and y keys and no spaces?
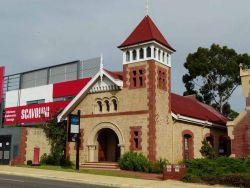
{"x":74,"y":133}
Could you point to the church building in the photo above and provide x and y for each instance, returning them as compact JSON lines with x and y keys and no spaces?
{"x":135,"y":110}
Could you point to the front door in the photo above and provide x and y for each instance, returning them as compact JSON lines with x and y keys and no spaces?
{"x":108,"y":149}
{"x":5,"y":145}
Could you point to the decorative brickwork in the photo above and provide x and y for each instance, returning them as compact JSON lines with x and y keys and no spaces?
{"x":21,"y":158}
{"x":152,"y":111}
{"x":162,"y":78}
{"x":241,"y":141}
{"x":81,"y":139}
{"x":169,"y":89}
{"x":115,"y":114}
{"x":135,"y":138}
{"x":248,"y":101}
{"x":125,"y":76}
{"x":137,"y":77}
{"x":188,"y":154}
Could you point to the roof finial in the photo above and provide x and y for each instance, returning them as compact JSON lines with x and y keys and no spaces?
{"x":147,"y":7}
{"x":101,"y":67}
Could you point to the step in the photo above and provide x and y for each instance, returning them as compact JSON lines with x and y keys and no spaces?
{"x":101,"y":165}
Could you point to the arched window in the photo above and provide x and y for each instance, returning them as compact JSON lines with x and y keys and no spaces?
{"x":99,"y":104}
{"x":141,"y":53}
{"x":107,"y":105}
{"x":159,"y":54}
{"x":148,"y":51}
{"x":163,"y":57}
{"x":114,"y":101}
{"x":134,"y":55}
{"x":127,"y":56}
{"x":154,"y":52}
{"x":188,"y":145}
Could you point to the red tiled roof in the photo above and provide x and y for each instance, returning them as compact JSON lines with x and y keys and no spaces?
{"x":115,"y":74}
{"x":193,"y":108}
{"x":146,"y":31}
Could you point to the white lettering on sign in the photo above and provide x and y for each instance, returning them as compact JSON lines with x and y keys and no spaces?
{"x":32,"y":113}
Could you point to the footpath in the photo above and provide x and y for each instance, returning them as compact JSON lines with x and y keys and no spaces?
{"x":109,"y":181}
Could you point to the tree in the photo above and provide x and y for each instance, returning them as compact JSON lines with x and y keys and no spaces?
{"x":57,"y":135}
{"x":207,"y":150}
{"x":213,"y":75}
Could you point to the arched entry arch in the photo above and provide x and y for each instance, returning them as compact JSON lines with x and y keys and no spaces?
{"x":93,"y":144}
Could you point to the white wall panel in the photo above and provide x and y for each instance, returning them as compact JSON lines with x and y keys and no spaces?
{"x":30,"y":94}
{"x":11,"y":98}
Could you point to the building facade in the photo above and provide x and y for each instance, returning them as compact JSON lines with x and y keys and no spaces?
{"x":239,"y":129}
{"x":30,"y":99}
{"x":134,"y":110}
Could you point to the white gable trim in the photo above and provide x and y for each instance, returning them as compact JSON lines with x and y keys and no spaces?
{"x":179,"y":117}
{"x":81,"y":95}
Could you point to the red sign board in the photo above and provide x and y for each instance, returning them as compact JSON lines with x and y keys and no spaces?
{"x":33,"y":113}
{"x":2,"y":72}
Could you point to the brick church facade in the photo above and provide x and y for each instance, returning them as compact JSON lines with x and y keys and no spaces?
{"x":134,"y":110}
{"x":239,"y":129}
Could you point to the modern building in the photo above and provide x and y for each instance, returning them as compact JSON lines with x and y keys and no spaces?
{"x":31,"y":98}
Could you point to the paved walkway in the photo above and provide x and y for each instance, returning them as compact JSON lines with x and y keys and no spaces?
{"x":98,"y":179}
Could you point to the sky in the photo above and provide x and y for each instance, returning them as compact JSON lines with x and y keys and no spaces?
{"x":39,"y":33}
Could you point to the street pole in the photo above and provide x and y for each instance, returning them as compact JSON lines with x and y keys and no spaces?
{"x":78,"y":142}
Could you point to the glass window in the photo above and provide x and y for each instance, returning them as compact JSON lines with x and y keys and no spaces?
{"x":134,"y":55}
{"x":148,"y":52}
{"x":40,"y":101}
{"x":127,"y":56}
{"x":99,"y":103}
{"x":141,"y":53}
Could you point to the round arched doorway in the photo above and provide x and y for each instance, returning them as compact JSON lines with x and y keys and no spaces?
{"x":108,"y":146}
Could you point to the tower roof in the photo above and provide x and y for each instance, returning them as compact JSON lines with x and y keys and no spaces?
{"x":146,"y":31}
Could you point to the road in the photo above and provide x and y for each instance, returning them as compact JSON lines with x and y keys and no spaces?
{"x":12,"y":181}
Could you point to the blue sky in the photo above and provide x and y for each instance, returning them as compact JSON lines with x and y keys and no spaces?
{"x":38,"y":33}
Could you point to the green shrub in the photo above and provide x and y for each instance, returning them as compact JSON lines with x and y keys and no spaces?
{"x":219,"y":171}
{"x":29,"y":162}
{"x":134,"y":162}
{"x":207,"y":150}
{"x":53,"y":160}
{"x":158,"y":166}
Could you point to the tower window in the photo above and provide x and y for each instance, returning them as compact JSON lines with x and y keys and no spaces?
{"x":162,"y":78}
{"x":141,"y":53}
{"x":148,"y":52}
{"x":137,"y":77}
{"x":134,"y":54}
{"x":99,"y":103}
{"x":134,"y":78}
{"x":107,"y":105}
{"x":127,"y":56}
{"x":163,"y":56}
{"x":167,"y":58}
{"x":154,"y":52}
{"x":159,"y":54}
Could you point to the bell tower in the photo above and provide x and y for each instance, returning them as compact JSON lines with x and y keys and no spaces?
{"x":147,"y":70}
{"x":146,"y":43}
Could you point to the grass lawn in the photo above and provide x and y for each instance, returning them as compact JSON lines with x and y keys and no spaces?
{"x":86,"y":171}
